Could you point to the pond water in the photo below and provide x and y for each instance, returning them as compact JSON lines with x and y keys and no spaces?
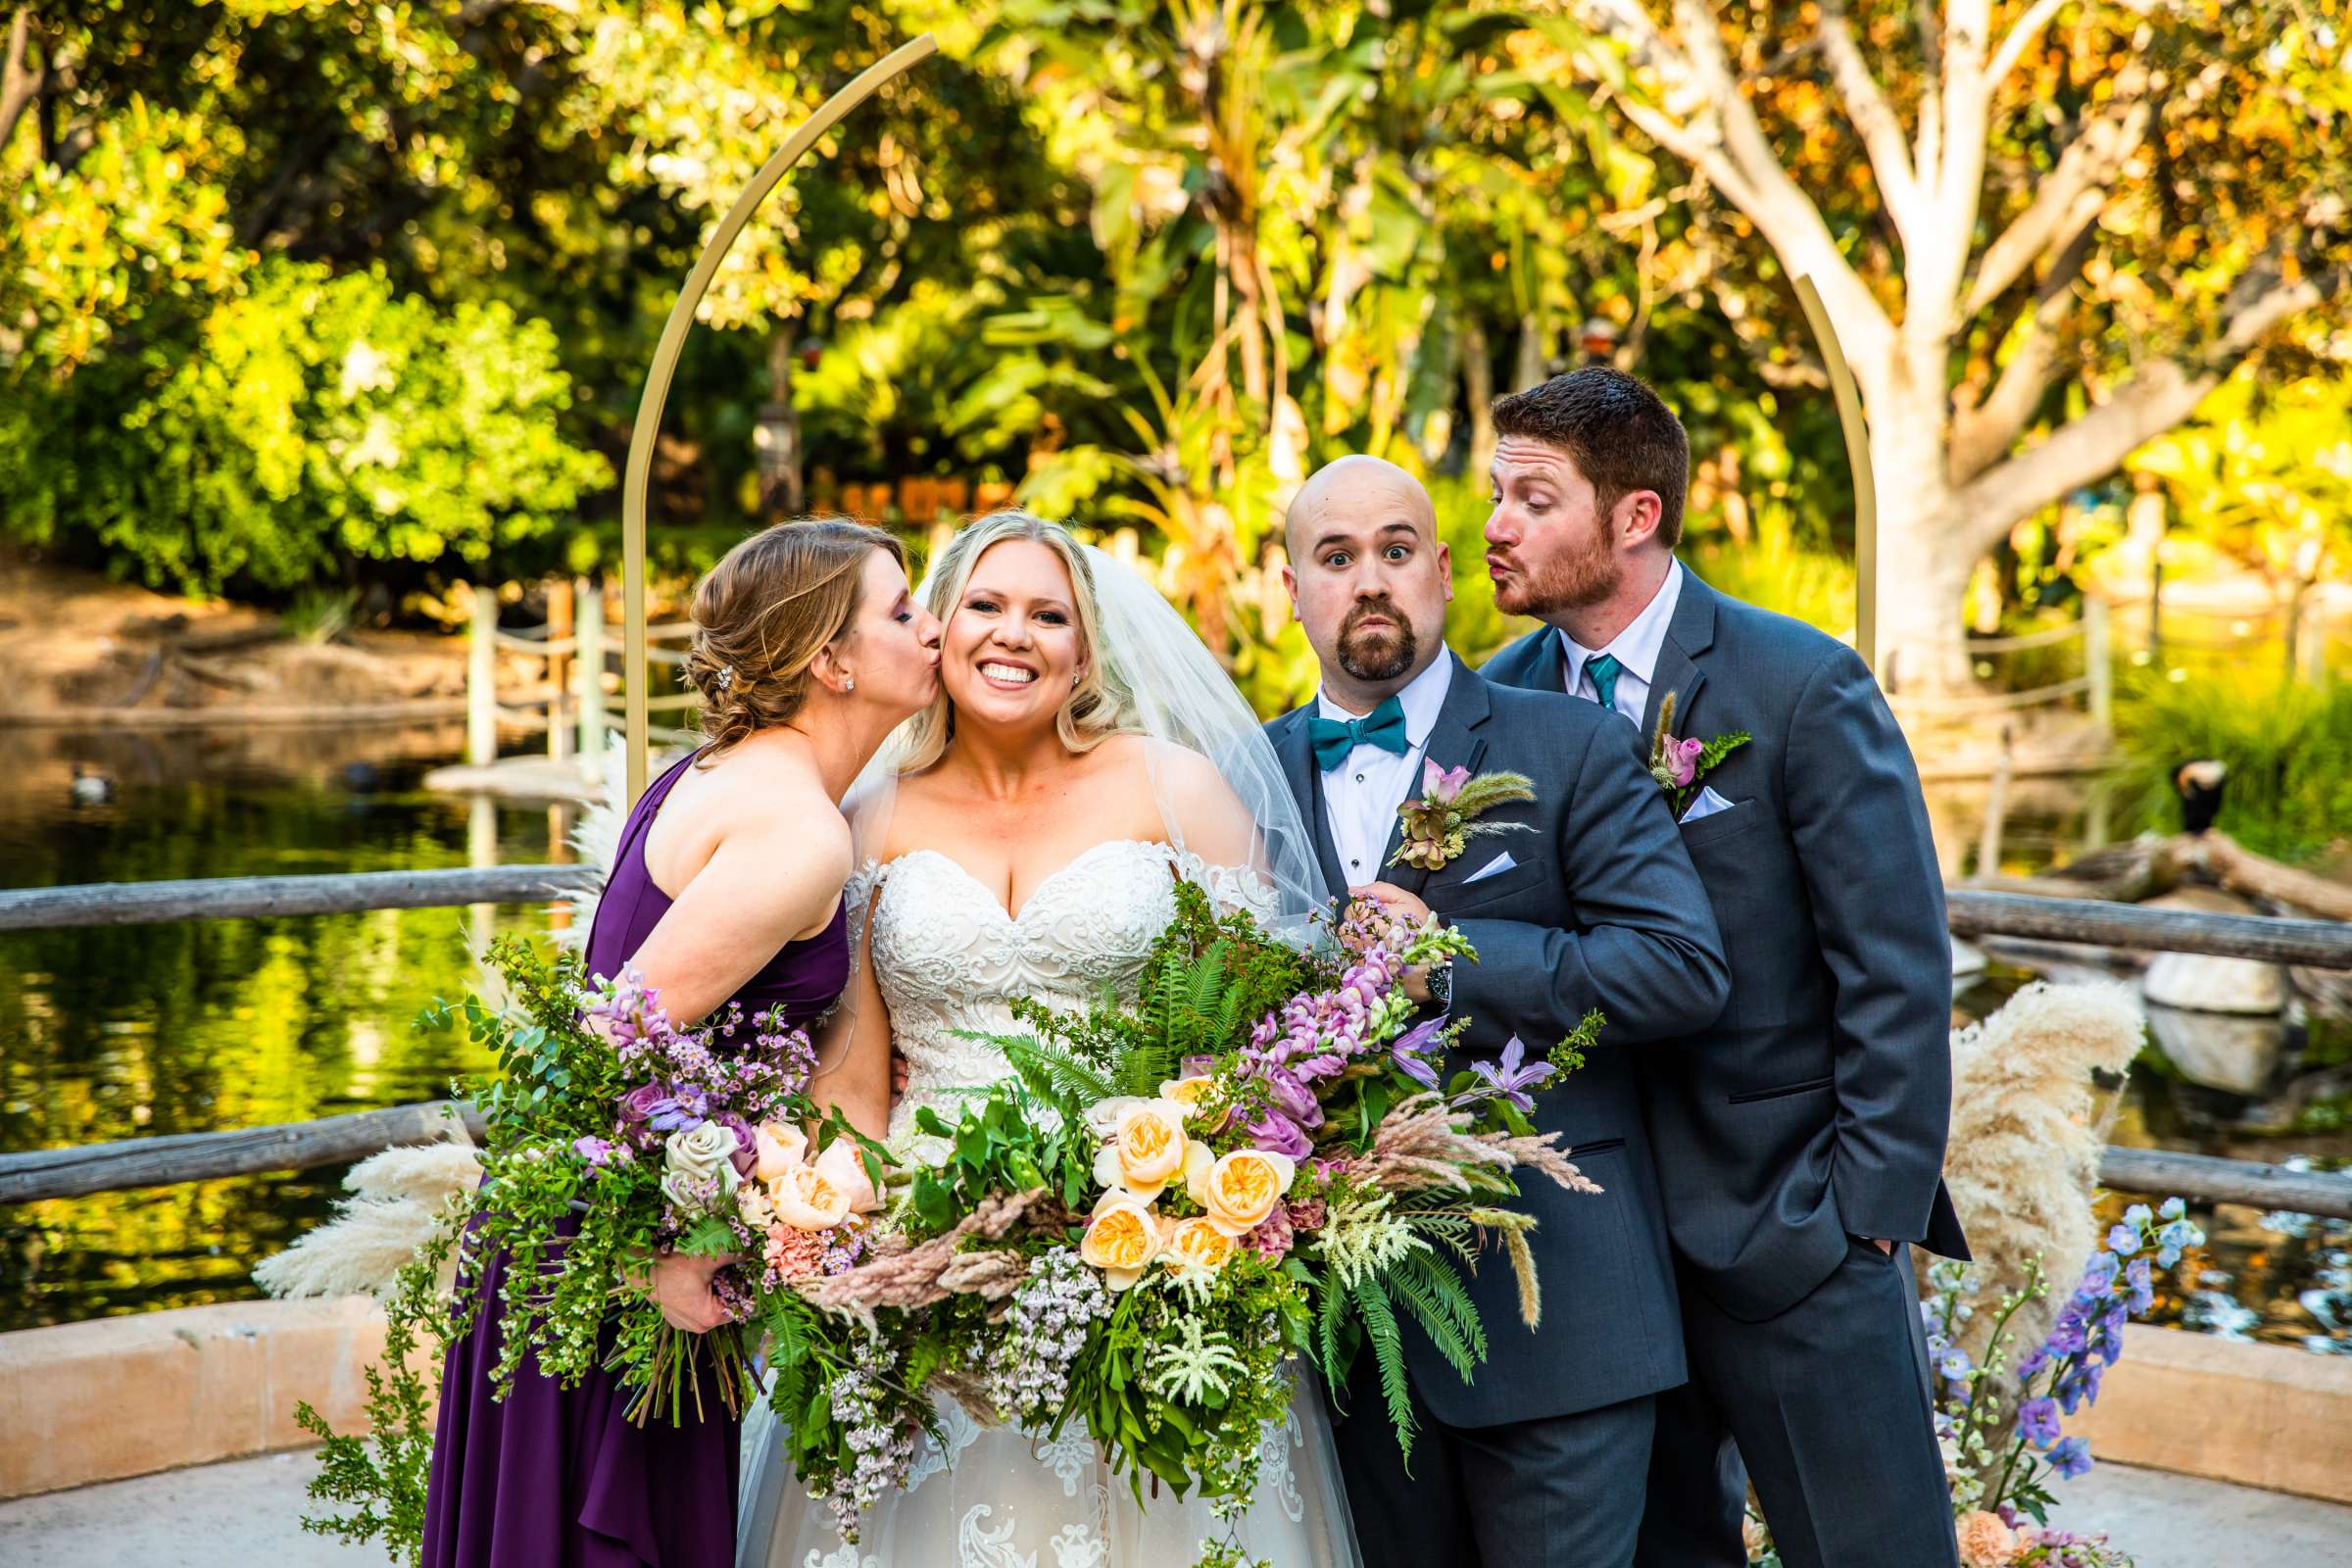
{"x":201,"y":1025}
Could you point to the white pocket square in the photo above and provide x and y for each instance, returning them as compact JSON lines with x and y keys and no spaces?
{"x":1707,"y":803}
{"x":1496,"y":866}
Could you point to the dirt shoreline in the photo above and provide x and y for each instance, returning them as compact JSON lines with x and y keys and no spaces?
{"x":78,"y":650}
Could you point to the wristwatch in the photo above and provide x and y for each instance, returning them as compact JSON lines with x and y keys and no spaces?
{"x":1440,"y":981}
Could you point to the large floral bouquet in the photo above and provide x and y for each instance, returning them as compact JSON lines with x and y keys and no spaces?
{"x":1167,"y":1201}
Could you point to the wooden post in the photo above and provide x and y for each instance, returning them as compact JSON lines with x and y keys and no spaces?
{"x":1996,"y":812}
{"x":1857,"y":458}
{"x":590,"y":669}
{"x":559,"y":627}
{"x":637,"y":480}
{"x":2098,"y":664}
{"x":481,"y":678}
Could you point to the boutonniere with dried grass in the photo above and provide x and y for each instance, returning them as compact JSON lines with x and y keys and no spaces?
{"x":1679,"y":764}
{"x":1445,"y":819}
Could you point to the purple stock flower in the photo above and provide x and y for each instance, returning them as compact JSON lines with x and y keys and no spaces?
{"x":595,"y":1151}
{"x":1511,"y":1080}
{"x":2071,"y":1457}
{"x":2038,"y":1419}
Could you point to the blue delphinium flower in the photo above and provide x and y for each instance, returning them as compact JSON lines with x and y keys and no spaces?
{"x":2139,"y":1214}
{"x":2038,"y":1419}
{"x":2071,"y":1456}
{"x":2124,"y":1239}
{"x":2144,"y":1286}
{"x":2171,"y":1209}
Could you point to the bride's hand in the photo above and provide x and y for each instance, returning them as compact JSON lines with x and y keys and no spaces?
{"x":681,"y":1289}
{"x":899,"y":1072}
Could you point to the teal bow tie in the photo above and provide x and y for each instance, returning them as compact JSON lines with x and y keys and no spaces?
{"x":1334,"y":739}
{"x":1605,"y":670}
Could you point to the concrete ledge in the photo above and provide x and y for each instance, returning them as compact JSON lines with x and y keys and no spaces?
{"x":129,"y":1396}
{"x":2258,"y":1415}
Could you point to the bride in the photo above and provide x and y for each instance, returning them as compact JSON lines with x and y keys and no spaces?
{"x":1023,"y":839}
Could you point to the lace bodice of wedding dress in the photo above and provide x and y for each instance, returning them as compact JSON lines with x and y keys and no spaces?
{"x":949,"y":959}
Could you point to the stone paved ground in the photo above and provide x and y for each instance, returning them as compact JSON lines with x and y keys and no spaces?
{"x":240,"y":1515}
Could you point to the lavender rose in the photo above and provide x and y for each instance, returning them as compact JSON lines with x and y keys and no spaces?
{"x":745,"y":1157}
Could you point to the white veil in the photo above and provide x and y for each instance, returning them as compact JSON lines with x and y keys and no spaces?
{"x":1177,"y":693}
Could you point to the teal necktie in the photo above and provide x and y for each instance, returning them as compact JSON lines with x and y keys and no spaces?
{"x":1605,"y":670}
{"x":1334,"y":737}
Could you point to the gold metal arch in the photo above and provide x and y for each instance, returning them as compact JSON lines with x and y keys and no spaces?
{"x":1857,"y":457}
{"x":642,"y":434}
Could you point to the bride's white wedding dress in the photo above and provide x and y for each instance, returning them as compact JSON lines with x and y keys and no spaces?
{"x":948,"y":957}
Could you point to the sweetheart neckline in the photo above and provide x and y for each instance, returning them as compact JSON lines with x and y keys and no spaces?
{"x":1015,"y":917}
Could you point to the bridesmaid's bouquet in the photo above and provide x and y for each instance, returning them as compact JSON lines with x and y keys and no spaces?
{"x":1165,"y":1204}
{"x":616,"y":1136}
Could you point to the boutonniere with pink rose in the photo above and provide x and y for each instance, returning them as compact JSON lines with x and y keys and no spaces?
{"x":1445,"y":818}
{"x":1681,"y":763}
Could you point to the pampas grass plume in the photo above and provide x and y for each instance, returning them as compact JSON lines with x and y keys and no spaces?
{"x":2027,"y":1133}
{"x":400,"y":1197}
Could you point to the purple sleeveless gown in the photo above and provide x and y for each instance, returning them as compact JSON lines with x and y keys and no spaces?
{"x":558,"y":1477}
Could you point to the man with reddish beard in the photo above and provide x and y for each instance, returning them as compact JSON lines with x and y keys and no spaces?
{"x":1801,"y":1137}
{"x":1542,"y":1459}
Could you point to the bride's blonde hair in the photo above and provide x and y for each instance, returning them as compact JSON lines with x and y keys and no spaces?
{"x":1098,"y":706}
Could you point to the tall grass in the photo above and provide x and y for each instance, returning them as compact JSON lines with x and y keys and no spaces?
{"x":2288,"y":746}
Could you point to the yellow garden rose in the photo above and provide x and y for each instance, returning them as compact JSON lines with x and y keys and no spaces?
{"x":1121,"y":1239}
{"x":1146,"y":1151}
{"x":806,"y":1201}
{"x":1199,"y":1241}
{"x":778,"y":1145}
{"x":1190,"y":1092}
{"x":1240,"y":1190}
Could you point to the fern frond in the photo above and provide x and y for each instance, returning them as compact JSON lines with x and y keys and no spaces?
{"x":1329,"y":1320}
{"x":1052,"y":1071}
{"x":1387,"y":1351}
{"x":1427,"y":1276}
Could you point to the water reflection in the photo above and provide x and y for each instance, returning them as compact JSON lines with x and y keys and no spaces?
{"x":195,"y":1026}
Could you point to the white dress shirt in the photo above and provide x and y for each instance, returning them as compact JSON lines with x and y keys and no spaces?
{"x":1635,"y":650}
{"x":1361,"y":795}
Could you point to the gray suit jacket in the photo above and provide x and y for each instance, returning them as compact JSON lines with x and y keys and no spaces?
{"x":1601,"y":911}
{"x":1817,"y":1106}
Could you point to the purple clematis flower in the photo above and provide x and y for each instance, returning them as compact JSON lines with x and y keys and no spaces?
{"x":1405,"y":1052}
{"x":1511,"y":1080}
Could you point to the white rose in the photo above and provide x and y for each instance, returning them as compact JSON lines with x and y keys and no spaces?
{"x":702,"y":1155}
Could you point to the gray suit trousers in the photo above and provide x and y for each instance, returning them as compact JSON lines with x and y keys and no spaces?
{"x":1812,"y":1398}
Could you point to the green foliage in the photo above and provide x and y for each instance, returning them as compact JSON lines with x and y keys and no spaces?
{"x":2288,"y":793}
{"x":312,"y":421}
{"x":381,"y":1478}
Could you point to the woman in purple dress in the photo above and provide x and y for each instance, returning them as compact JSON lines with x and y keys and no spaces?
{"x":725,"y":887}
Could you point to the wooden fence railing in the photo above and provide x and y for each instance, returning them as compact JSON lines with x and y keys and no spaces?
{"x":164,"y":1160}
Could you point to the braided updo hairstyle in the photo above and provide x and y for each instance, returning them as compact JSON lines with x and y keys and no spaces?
{"x":764,"y":614}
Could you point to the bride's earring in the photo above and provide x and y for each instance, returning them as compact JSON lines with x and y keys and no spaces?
{"x":849,"y":683}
